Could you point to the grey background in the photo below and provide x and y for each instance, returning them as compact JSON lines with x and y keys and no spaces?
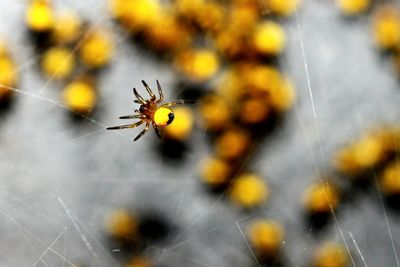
{"x":60,"y":178}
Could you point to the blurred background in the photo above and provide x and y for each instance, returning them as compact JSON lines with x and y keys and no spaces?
{"x":287,"y":158}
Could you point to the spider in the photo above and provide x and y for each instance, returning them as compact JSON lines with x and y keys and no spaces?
{"x":151,"y":111}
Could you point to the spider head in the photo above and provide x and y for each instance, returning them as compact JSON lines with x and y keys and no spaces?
{"x":163,"y":116}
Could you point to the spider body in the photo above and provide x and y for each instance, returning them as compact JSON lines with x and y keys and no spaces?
{"x":151,"y":111}
{"x":163,"y":116}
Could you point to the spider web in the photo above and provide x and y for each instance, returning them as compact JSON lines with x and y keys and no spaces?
{"x":61,"y":178}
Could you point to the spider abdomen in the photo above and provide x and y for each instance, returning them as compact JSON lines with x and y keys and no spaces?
{"x":163,"y":116}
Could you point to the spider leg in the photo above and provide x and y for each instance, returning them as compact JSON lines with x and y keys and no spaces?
{"x":156,"y":130}
{"x":176,"y":102}
{"x":132,"y":117}
{"x":153,"y":96}
{"x":126,"y":126}
{"x":160,"y":92}
{"x":143,"y":132}
{"x":140,"y":99}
